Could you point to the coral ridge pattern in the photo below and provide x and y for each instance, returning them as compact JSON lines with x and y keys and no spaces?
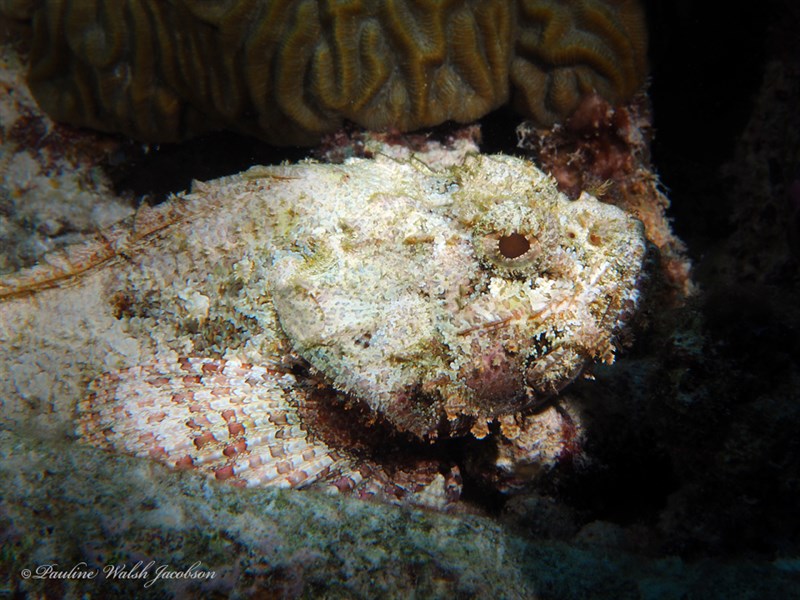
{"x":292,"y":70}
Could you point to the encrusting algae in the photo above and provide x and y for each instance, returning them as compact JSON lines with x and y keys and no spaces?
{"x":221,"y":330}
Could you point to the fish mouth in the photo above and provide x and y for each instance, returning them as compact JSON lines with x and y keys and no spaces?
{"x":518,"y":360}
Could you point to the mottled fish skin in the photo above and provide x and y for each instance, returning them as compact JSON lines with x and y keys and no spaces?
{"x":440,"y":299}
{"x":418,"y":305}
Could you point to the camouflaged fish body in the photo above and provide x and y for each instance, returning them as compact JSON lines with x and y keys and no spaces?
{"x":292,"y":70}
{"x":439,"y":299}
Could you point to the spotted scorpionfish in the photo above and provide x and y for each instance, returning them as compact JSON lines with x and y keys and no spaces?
{"x":275,"y":327}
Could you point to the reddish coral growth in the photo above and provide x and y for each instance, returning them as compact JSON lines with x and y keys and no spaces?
{"x":54,"y":141}
{"x":606,"y":150}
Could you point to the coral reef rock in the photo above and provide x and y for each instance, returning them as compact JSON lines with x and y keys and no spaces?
{"x":53,"y":190}
{"x":229,"y":328}
{"x":606,"y":150}
{"x":292,"y":70}
{"x":68,"y":500}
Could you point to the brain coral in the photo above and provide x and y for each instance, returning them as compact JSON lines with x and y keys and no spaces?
{"x":292,"y":70}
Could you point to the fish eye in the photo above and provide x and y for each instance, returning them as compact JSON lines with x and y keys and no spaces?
{"x":515,"y":240}
{"x":513,"y":245}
